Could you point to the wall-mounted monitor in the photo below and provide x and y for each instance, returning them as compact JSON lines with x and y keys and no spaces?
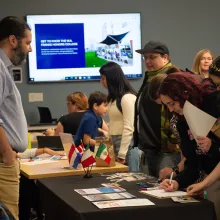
{"x":74,"y":47}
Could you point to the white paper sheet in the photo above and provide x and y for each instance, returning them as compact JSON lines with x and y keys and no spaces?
{"x":200,"y":123}
{"x":36,"y":162}
{"x":123,"y":203}
{"x":160,"y":193}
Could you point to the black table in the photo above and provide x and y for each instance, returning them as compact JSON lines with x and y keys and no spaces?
{"x":60,"y":201}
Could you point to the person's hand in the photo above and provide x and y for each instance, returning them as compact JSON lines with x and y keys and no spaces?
{"x":105,"y":133}
{"x":195,"y":189}
{"x":204,"y":143}
{"x":120,"y":160}
{"x":166,"y":173}
{"x":52,"y":152}
{"x":174,"y":186}
{"x":50,"y":132}
{"x":9,"y":157}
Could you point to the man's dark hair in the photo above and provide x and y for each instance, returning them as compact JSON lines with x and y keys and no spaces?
{"x":97,"y":98}
{"x":12,"y":26}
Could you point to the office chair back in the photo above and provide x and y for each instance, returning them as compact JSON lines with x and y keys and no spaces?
{"x":45,"y":115}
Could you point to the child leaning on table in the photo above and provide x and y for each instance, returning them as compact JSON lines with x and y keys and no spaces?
{"x":88,"y":128}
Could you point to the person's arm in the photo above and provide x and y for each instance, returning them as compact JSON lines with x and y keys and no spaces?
{"x":50,"y":132}
{"x":6,"y":152}
{"x":104,"y":125}
{"x":30,"y":153}
{"x":208,"y":181}
{"x":88,"y":140}
{"x":102,"y":132}
{"x":8,"y":155}
{"x":59,"y":129}
{"x":127,"y":104}
{"x":166,"y":172}
{"x":46,"y":150}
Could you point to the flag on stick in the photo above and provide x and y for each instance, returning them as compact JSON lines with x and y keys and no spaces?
{"x":74,"y":156}
{"x":87,"y":158}
{"x":103,"y":154}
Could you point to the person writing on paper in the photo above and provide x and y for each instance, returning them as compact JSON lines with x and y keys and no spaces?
{"x":203,"y":155}
{"x":121,"y":99}
{"x":88,"y":128}
{"x":214,"y":75}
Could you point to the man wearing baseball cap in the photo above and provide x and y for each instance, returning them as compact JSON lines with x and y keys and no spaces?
{"x":150,"y":122}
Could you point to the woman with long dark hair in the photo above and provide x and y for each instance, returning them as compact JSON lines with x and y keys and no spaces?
{"x":121,"y":99}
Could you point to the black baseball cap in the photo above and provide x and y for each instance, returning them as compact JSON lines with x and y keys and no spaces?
{"x":154,"y":47}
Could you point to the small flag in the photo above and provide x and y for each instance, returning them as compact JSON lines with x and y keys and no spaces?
{"x":80,"y":148}
{"x":87,"y":158}
{"x":102,"y":153}
{"x":74,"y":156}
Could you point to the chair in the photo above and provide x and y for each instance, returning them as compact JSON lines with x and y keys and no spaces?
{"x":45,"y":115}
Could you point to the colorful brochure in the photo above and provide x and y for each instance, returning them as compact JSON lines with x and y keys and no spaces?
{"x":91,"y":191}
{"x":109,"y":196}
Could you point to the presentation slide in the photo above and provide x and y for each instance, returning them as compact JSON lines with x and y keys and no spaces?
{"x":74,"y":47}
{"x":58,"y":47}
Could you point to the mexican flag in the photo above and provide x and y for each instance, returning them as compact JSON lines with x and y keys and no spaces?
{"x":87,"y":158}
{"x":102,"y":153}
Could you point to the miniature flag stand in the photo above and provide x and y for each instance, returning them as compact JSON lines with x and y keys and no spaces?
{"x":79,"y":158}
{"x":87,"y":161}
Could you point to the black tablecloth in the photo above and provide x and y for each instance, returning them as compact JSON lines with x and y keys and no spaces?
{"x":60,"y":201}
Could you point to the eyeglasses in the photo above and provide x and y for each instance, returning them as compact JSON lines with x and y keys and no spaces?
{"x":151,"y":57}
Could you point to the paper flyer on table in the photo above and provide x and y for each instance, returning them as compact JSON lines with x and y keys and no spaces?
{"x":199,"y":122}
{"x":160,"y":193}
{"x":37,"y":162}
{"x":91,"y":191}
{"x":184,"y":199}
{"x":109,"y":196}
{"x":123,"y":203}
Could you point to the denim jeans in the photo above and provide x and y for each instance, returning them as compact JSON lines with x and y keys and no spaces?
{"x":132,"y":157}
{"x":155,"y":161}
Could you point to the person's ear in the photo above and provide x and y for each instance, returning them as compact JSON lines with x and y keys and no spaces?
{"x":166,"y":57}
{"x":13,"y":41}
{"x":95,"y":106}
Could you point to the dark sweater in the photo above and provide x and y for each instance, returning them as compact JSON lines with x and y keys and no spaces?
{"x":71,"y":122}
{"x":196,"y":162}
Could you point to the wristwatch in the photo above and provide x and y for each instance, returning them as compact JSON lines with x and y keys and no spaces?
{"x":176,"y":170}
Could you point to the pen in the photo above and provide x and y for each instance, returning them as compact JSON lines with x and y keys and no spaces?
{"x":171,"y":178}
{"x":149,"y":189}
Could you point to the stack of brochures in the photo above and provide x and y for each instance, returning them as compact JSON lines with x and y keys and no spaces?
{"x":111,"y":196}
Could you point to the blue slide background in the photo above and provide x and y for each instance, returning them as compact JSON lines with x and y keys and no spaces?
{"x":75,"y":32}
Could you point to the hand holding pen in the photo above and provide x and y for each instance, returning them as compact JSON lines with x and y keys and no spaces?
{"x":170,"y":185}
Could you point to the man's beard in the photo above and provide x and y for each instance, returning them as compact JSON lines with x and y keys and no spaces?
{"x":18,"y":56}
